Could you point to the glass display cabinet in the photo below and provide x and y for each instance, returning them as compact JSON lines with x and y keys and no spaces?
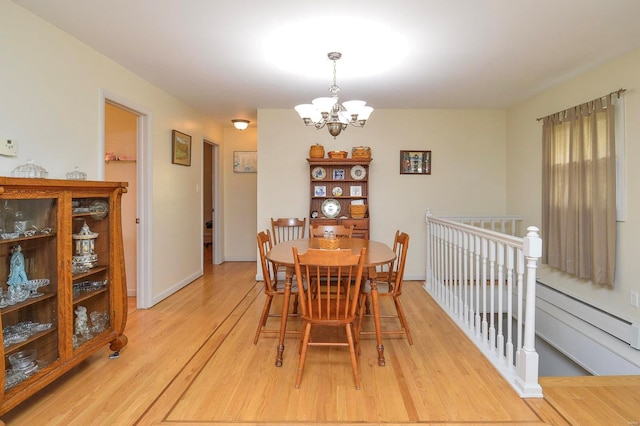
{"x":62,"y":279}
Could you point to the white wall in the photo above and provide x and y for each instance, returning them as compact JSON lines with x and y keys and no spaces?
{"x":239,"y":198}
{"x":468,"y":151}
{"x":51,"y":105}
{"x":524,"y":158}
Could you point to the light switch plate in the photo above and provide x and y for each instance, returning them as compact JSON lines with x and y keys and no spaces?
{"x":8,"y":147}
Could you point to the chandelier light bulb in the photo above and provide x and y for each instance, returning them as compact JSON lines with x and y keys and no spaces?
{"x":329,"y":112}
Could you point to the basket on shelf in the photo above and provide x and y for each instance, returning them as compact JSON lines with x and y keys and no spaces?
{"x":357,"y":211}
{"x":316,"y":151}
{"x":329,"y":243}
{"x":360,"y":152}
{"x":337,"y":154}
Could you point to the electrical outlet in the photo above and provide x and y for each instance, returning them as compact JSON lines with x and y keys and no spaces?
{"x":633,"y":298}
{"x":8,"y":147}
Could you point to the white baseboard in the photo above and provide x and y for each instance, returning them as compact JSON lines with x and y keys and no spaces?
{"x":239,"y":259}
{"x":179,"y":285}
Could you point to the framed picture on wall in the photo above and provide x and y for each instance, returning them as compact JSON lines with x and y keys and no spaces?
{"x":180,"y":148}
{"x":415,"y":162}
{"x":245,"y":161}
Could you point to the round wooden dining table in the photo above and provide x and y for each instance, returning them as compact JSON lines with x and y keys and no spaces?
{"x":377,"y":254}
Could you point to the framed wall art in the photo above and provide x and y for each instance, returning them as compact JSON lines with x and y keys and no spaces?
{"x":180,"y":148}
{"x":415,"y":162}
{"x":245,"y":161}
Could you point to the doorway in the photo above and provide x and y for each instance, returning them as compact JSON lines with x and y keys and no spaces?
{"x":131,"y":167}
{"x":211,"y":202}
{"x":120,"y":145}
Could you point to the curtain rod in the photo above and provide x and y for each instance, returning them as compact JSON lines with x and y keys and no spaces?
{"x":618,"y":92}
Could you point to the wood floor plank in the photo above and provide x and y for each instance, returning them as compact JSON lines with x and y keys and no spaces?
{"x":191,"y":361}
{"x":611,"y":400}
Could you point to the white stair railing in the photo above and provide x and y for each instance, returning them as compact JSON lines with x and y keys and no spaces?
{"x":486,"y":282}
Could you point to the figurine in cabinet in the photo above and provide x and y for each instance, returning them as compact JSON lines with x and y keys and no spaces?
{"x":85,"y":245}
{"x":82,"y":327}
{"x":17,"y":275}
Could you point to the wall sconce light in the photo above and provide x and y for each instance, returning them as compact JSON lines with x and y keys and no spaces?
{"x":240,"y":124}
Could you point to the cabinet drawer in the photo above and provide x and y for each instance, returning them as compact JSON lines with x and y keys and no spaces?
{"x":318,"y":222}
{"x":357,"y":223}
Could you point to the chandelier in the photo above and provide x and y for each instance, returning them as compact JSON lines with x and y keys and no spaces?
{"x":327,"y":111}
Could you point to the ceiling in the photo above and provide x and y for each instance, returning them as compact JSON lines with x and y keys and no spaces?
{"x":229,"y":58}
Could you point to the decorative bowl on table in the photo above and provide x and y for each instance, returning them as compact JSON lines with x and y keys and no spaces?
{"x":329,"y":243}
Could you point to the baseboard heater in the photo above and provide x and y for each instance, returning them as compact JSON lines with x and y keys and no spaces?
{"x":601,"y":343}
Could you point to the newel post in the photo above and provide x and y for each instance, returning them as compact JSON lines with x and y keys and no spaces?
{"x":527,"y":361}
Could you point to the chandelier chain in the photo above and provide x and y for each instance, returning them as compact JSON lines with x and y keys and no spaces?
{"x":334,"y":89}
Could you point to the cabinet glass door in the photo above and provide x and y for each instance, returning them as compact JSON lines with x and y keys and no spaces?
{"x":90,"y":268}
{"x":28,"y":286}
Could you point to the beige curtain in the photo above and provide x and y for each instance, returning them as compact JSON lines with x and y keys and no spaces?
{"x":579,"y":191}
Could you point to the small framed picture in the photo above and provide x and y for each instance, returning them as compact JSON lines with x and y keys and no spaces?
{"x":338,"y":174}
{"x":245,"y":161}
{"x":415,"y":162}
{"x":355,"y":191}
{"x":319,"y":191}
{"x":180,"y":148}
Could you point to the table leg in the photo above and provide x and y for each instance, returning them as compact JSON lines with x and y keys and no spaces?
{"x":285,"y":314}
{"x":376,"y":319}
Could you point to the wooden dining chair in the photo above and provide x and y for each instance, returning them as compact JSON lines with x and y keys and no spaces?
{"x":285,"y":229}
{"x":322,"y":306}
{"x":389,"y":283}
{"x":340,"y":231}
{"x":270,"y":291}
{"x":288,"y":228}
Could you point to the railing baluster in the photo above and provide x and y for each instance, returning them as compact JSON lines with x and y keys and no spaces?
{"x":465,"y":275}
{"x":483,"y":283}
{"x":492,"y":295}
{"x":509,"y":345}
{"x":459,"y":276}
{"x":500,"y":313}
{"x":520,"y":274}
{"x":478,"y":323}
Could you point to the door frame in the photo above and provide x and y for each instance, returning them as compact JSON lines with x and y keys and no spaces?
{"x":143,"y":202}
{"x":216,"y":202}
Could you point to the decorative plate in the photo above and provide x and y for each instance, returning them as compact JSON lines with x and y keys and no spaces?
{"x":330,"y":208}
{"x":336,"y":192}
{"x":358,"y":172}
{"x":318,"y":173}
{"x":99,"y":209}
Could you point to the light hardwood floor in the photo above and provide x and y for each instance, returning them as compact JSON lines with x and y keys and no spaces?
{"x":191,"y":361}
